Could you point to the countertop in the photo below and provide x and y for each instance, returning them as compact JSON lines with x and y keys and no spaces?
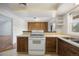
{"x":69,"y":41}
{"x":59,"y":35}
{"x":46,"y":35}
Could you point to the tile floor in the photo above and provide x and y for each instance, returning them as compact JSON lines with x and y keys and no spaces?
{"x":13,"y":52}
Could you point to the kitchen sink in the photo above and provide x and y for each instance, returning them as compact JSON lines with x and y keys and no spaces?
{"x":72,"y":39}
{"x":76,"y":41}
{"x":69,"y":38}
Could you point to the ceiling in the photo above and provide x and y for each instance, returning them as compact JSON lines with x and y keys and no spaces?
{"x":34,"y":6}
{"x":44,"y":11}
{"x":75,"y":10}
{"x":60,"y":8}
{"x":64,"y":8}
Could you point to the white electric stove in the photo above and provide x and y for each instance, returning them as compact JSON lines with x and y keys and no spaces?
{"x":36,"y":43}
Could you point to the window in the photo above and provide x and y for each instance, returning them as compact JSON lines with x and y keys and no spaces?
{"x":75,"y":25}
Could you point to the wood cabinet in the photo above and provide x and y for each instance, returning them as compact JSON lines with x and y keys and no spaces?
{"x":38,"y":26}
{"x":50,"y":45}
{"x":22,"y":44}
{"x":66,"y":49}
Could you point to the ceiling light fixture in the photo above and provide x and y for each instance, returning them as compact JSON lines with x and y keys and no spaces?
{"x":25,"y":4}
{"x":36,"y":18}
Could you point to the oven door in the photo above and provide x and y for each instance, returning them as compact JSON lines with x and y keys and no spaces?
{"x":36,"y":44}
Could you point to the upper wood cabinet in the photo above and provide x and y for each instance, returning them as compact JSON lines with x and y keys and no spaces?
{"x":38,"y":26}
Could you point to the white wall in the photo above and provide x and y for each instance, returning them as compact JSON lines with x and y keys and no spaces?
{"x":19,"y":25}
{"x":49,"y":24}
{"x":5,"y":28}
{"x":5,"y":25}
{"x":67,"y":23}
{"x":65,"y":29}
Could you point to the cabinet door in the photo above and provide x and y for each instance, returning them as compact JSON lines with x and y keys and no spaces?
{"x":44,"y":25}
{"x":50,"y":45}
{"x":37,"y":26}
{"x":60,"y":47}
{"x":31,"y":26}
{"x":22,"y":44}
{"x":66,"y":49}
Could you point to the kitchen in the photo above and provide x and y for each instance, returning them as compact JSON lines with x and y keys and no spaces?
{"x":40,"y":29}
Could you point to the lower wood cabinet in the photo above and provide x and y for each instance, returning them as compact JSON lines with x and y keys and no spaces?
{"x":50,"y":45}
{"x":22,"y":44}
{"x":53,"y":44}
{"x":66,"y":49}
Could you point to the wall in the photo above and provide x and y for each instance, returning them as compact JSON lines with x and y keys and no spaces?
{"x":67,"y":23}
{"x":53,"y":23}
{"x":19,"y":25}
{"x":5,"y":28}
{"x":6,"y":41}
{"x":5,"y":25}
{"x":49,"y":24}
